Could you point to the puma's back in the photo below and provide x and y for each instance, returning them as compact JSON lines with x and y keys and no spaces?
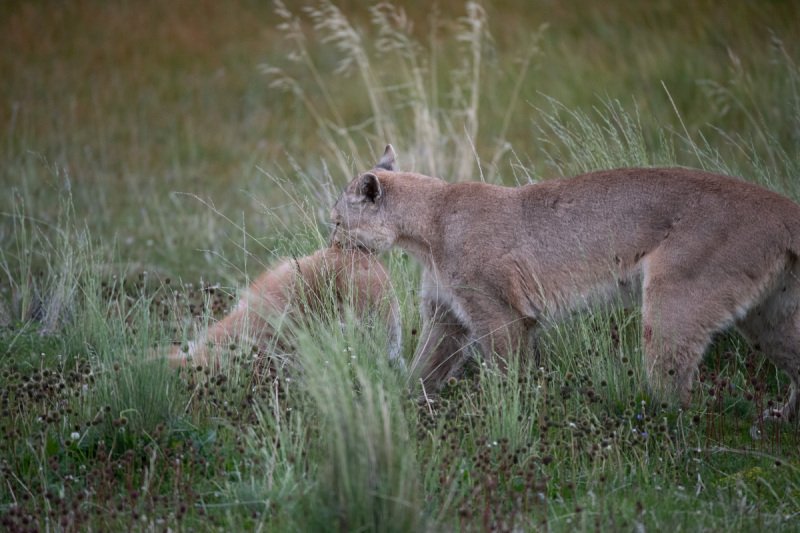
{"x":569,"y":237}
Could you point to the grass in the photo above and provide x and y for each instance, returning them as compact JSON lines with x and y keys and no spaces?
{"x":159,"y":156}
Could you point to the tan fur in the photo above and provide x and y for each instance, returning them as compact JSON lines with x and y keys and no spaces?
{"x":296,"y":289}
{"x":700,"y":251}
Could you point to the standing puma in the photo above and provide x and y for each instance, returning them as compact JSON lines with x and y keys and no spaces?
{"x":701,"y":251}
{"x":299,"y":288}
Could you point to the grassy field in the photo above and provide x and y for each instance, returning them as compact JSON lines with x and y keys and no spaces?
{"x":157,"y":155}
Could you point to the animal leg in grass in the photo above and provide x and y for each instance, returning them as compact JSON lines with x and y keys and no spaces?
{"x":500,"y":331}
{"x":677,"y":326}
{"x":444,"y":346}
{"x":204,"y":350}
{"x":773,"y":327}
{"x":672,"y":352}
{"x":243,"y":327}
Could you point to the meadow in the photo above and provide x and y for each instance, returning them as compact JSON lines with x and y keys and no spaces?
{"x":156,"y":156}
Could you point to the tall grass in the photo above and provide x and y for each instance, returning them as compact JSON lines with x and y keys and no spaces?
{"x":401,"y":80}
{"x":368,"y":473}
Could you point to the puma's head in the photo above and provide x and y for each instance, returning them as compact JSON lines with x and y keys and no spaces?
{"x":360,"y":215}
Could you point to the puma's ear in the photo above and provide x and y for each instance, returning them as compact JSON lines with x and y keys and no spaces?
{"x":388,"y":159}
{"x":370,"y":187}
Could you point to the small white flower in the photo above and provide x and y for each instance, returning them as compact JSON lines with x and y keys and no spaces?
{"x":74,"y":435}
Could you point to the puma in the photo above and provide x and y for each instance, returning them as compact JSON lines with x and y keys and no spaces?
{"x":296,"y":289}
{"x":699,"y":251}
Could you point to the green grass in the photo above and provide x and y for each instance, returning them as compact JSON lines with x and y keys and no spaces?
{"x":158,"y":156}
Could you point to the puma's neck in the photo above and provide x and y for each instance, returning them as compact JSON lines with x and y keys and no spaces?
{"x":416,"y":217}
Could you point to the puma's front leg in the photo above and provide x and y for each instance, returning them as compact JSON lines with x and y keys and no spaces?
{"x":444,"y":346}
{"x":500,"y":331}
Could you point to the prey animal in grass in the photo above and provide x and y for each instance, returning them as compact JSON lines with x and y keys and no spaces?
{"x":700,"y":252}
{"x":298,"y":289}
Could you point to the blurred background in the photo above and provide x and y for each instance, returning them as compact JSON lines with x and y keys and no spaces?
{"x":179,"y":130}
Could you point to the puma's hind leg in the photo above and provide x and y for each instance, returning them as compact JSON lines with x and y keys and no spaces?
{"x":773,"y":328}
{"x":691,"y":292}
{"x":673,"y":348}
{"x":680,"y":316}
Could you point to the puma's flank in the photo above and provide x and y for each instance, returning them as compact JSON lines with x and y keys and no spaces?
{"x":700,"y":251}
{"x":298,"y":288}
